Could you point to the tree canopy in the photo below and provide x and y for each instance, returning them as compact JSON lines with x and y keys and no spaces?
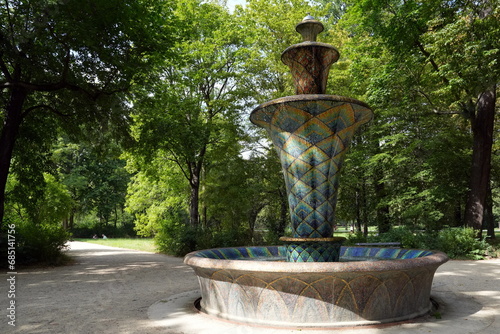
{"x":66,"y":65}
{"x":121,"y":113}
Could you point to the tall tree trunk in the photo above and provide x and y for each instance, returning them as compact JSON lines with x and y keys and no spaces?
{"x":358,"y":211}
{"x":488,"y":218}
{"x":482,"y":131}
{"x":365,"y":210}
{"x":383,"y":223}
{"x":72,"y":218}
{"x":458,"y":214}
{"x":204,"y":221}
{"x":10,"y":130}
{"x":194,"y":199}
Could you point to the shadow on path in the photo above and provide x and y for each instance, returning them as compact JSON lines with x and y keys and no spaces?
{"x":106,"y":290}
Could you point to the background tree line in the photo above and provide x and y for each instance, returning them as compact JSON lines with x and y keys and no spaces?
{"x":131,"y":117}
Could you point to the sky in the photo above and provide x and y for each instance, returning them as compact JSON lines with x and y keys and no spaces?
{"x":232,"y":3}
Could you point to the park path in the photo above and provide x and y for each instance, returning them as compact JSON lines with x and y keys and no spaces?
{"x":106,"y":290}
{"x":110,"y":290}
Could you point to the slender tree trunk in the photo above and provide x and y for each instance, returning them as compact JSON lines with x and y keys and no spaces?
{"x":205,"y":216}
{"x":194,"y":200}
{"x":482,"y":130}
{"x":458,"y":214}
{"x":365,"y":210}
{"x":72,"y":219}
{"x":488,"y":219}
{"x":10,"y":130}
{"x":358,"y":211}
{"x":383,"y":223}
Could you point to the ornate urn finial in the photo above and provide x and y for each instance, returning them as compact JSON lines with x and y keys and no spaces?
{"x":309,"y":28}
{"x":310,"y":61}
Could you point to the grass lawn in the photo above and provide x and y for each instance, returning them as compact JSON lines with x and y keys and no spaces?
{"x":146,"y":245}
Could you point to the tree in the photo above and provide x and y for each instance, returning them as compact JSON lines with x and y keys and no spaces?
{"x":94,"y":176}
{"x":73,"y":59}
{"x":192,"y":108}
{"x":449,"y":51}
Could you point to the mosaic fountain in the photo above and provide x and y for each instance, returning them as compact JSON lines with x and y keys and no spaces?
{"x":313,"y":281}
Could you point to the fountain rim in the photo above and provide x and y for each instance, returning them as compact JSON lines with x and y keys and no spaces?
{"x":192,"y":259}
{"x":299,"y":239}
{"x":307,"y":98}
{"x":307,"y":44}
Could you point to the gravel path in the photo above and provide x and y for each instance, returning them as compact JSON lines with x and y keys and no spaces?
{"x":107,"y":290}
{"x":110,"y":290}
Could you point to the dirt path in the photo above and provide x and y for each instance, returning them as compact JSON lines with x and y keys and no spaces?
{"x":107,"y":290}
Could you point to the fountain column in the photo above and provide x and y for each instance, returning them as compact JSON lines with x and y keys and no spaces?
{"x":311,"y":132}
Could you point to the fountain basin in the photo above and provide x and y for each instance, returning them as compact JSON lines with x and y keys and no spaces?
{"x":370,"y":285}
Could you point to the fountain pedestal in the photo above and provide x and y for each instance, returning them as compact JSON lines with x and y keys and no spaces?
{"x":311,"y":132}
{"x":312,"y":249}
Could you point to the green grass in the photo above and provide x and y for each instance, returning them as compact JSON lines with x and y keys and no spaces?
{"x":146,"y":245}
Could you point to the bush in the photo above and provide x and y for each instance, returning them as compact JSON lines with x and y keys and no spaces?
{"x":462,"y":242}
{"x":455,"y":242}
{"x":212,"y":238}
{"x":88,"y":225}
{"x":38,"y":243}
{"x":177,"y":239}
{"x":354,"y":238}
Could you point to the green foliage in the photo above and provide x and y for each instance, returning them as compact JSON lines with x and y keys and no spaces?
{"x":179,"y":239}
{"x":422,"y":65}
{"x":41,"y":243}
{"x":354,"y":238}
{"x":455,"y":242}
{"x":152,"y":198}
{"x":409,"y":238}
{"x":65,"y":66}
{"x":89,"y":225}
{"x":195,"y":71}
{"x":37,"y":243}
{"x":50,"y":204}
{"x":57,"y":202}
{"x":176,"y":236}
{"x":96,"y":180}
{"x":462,"y":242}
{"x":188,"y":113}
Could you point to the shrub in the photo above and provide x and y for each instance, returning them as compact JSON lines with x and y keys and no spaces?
{"x":462,"y":242}
{"x":403,"y":235}
{"x":42,"y":243}
{"x":211,"y":238}
{"x":177,"y":239}
{"x":455,"y":242}
{"x":354,"y":238}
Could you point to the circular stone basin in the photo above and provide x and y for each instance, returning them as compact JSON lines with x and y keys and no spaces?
{"x":370,"y":285}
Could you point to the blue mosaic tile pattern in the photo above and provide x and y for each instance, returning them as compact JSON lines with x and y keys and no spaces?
{"x":313,"y":252}
{"x":243,"y":253}
{"x":311,"y":136}
{"x":280,"y":252}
